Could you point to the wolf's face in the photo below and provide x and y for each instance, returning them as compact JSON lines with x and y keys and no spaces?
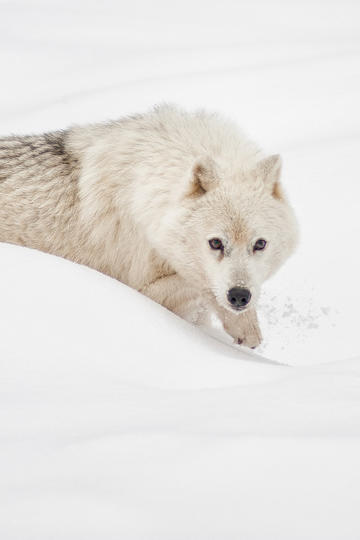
{"x":238,"y":234}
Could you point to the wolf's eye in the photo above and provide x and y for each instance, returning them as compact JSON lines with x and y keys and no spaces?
{"x":216,"y":243}
{"x":259,"y":244}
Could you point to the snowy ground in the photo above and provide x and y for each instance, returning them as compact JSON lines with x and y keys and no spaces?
{"x":117,"y":419}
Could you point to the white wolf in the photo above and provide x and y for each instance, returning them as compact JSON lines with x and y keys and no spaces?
{"x":180,"y":206}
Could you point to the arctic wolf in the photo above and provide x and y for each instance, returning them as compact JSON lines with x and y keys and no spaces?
{"x":181,"y":206}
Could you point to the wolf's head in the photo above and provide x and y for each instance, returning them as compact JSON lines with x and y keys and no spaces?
{"x":237,"y":230}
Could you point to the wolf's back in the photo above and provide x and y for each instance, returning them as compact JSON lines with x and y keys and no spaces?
{"x":37,"y":187}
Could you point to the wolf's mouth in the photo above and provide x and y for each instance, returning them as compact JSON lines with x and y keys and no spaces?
{"x":244,"y":308}
{"x":239,"y":309}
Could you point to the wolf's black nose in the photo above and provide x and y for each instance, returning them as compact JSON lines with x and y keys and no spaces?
{"x":238,"y":297}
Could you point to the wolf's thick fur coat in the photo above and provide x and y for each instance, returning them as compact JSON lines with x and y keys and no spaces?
{"x":139,"y":199}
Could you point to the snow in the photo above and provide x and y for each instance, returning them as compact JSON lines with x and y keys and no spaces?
{"x":119,"y":420}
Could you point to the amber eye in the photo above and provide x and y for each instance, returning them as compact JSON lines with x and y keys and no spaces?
{"x":216,"y":243}
{"x":260,"y":244}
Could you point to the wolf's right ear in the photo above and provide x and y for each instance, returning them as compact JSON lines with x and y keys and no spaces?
{"x":203,"y":177}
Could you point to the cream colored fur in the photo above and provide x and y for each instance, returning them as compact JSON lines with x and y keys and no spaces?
{"x":139,"y":199}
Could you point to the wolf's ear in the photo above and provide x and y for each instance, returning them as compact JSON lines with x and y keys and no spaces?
{"x":269,"y":171}
{"x":203,"y":176}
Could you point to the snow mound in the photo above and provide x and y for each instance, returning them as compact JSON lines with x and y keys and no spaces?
{"x":118,"y":419}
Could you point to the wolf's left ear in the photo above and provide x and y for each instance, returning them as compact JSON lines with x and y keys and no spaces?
{"x":269,"y":170}
{"x":203,"y":176}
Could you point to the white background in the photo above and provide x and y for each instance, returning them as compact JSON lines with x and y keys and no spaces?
{"x":117,"y":420}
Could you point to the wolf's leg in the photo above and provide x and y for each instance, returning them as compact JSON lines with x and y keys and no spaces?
{"x":174,"y":293}
{"x":243,"y":327}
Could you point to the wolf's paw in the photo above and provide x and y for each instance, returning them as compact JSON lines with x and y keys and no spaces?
{"x":244,"y":329}
{"x":251,"y":340}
